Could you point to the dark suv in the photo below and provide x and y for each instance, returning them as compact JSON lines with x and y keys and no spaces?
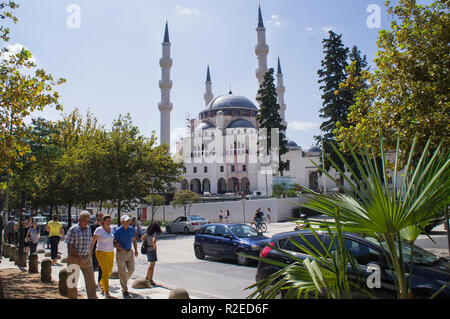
{"x":430,"y":272}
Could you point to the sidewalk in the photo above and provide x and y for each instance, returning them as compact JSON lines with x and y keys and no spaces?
{"x":9,"y":271}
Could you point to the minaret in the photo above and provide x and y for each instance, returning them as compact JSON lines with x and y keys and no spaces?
{"x":261,"y":49}
{"x":165,"y":107}
{"x":280,"y":91}
{"x":208,"y":93}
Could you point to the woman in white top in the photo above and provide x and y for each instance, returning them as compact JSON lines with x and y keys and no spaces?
{"x":104,"y":236}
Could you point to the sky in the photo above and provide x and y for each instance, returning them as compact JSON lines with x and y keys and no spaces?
{"x":111,"y":58}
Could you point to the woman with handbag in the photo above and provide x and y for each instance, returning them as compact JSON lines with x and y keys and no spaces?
{"x":149,"y":239}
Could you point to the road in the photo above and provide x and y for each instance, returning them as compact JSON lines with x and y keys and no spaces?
{"x":211,"y":278}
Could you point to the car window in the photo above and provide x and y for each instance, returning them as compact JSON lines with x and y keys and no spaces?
{"x":209,"y":230}
{"x":311,"y":243}
{"x":183,"y":219}
{"x":222,"y":231}
{"x":177,"y":220}
{"x":243,"y":231}
{"x":363,"y":253}
{"x":196,"y":218}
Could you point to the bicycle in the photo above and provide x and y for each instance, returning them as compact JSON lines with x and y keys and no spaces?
{"x":260,"y":226}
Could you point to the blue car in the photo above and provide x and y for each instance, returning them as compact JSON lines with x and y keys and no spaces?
{"x":227,"y":240}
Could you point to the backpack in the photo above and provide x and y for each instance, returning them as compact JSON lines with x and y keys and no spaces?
{"x":144,"y":247}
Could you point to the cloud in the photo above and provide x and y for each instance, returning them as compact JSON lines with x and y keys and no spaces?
{"x":185,"y":11}
{"x":302,"y":126}
{"x":309,"y":28}
{"x":275,"y":20}
{"x":14,"y":49}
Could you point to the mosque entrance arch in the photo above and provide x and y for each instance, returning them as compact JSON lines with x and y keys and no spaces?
{"x":206,"y":186}
{"x":196,"y":186}
{"x":221,"y":186}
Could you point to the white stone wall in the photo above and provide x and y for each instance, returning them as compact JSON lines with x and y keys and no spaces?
{"x":282,"y":210}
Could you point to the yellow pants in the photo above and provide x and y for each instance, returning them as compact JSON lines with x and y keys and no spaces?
{"x":106,"y":262}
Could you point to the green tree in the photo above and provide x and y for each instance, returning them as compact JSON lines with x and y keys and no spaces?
{"x":269,"y":118}
{"x":155,"y":201}
{"x":185,"y":199}
{"x":23,"y":90}
{"x":408,"y":91}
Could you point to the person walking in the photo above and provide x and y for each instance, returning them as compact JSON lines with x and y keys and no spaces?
{"x":55,"y":232}
{"x":139,"y":229}
{"x":78,"y":241}
{"x":103,"y":243}
{"x":98,"y":223}
{"x":33,"y":235}
{"x":269,"y":215}
{"x":227,"y":216}
{"x":124,"y":238}
{"x":220,"y":216}
{"x":152,"y":234}
{"x":10,"y":230}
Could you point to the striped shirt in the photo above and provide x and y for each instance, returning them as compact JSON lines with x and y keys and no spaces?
{"x":80,"y":238}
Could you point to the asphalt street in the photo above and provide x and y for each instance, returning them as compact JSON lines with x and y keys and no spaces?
{"x":177,"y":266}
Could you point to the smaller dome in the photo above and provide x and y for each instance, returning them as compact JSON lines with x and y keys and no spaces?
{"x":240,"y":124}
{"x":292,"y":144}
{"x":313,"y":149}
{"x":204,"y":126}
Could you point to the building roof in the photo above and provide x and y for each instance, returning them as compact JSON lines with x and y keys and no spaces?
{"x":241,"y":123}
{"x":204,"y":126}
{"x":231,"y":101}
{"x":260,"y":19}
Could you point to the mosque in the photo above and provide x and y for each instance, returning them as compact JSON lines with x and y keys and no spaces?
{"x":219,"y":152}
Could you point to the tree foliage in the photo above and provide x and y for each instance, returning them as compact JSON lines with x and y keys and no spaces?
{"x":408,"y":92}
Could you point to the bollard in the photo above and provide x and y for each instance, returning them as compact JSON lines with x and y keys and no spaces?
{"x":139,"y":284}
{"x":114,"y":275}
{"x":62,"y":284}
{"x":179,"y":293}
{"x":6,"y":251}
{"x":46,"y":270}
{"x":12,"y":253}
{"x":33,"y":264}
{"x":72,"y":293}
{"x":21,"y":259}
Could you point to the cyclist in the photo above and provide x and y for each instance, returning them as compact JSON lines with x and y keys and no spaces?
{"x":258,"y":218}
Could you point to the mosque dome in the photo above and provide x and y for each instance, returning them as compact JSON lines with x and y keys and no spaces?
{"x":313,"y":149}
{"x":241,"y":123}
{"x":231,"y":101}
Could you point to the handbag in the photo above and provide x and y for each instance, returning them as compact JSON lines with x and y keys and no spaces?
{"x":144,"y":247}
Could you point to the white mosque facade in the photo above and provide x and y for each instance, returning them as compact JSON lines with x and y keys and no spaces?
{"x":220,"y":152}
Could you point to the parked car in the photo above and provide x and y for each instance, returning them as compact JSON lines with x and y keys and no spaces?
{"x":187,"y":225}
{"x":430,"y":272}
{"x":435,"y":222}
{"x":227,"y":240}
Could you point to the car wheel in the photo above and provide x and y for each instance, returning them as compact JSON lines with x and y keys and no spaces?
{"x":242,"y":260}
{"x":199,"y":253}
{"x":186,"y":231}
{"x":169,"y":231}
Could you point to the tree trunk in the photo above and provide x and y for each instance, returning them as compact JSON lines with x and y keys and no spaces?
{"x":119,"y":203}
{"x":69,"y":215}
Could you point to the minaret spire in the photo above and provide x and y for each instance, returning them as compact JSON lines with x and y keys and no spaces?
{"x":165,"y":107}
{"x":261,"y":49}
{"x":280,"y":91}
{"x":208,"y":96}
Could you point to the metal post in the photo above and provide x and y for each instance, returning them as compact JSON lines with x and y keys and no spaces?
{"x":323,"y":164}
